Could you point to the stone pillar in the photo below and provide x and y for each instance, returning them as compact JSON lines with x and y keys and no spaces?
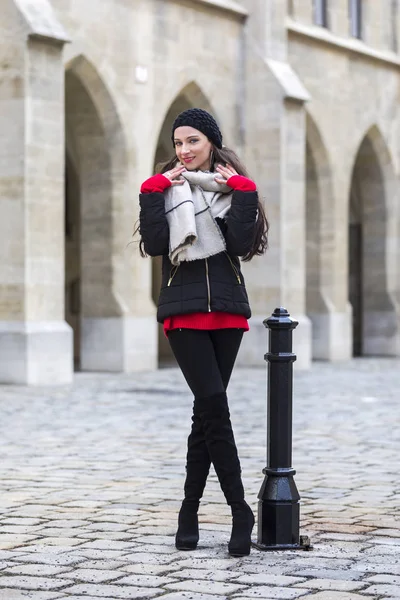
{"x":275,"y":156}
{"x":326,"y":304}
{"x":35,"y":341}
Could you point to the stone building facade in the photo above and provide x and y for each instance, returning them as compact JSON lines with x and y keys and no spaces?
{"x":307,"y":92}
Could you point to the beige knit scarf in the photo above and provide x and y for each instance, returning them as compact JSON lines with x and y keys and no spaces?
{"x":191,"y":210}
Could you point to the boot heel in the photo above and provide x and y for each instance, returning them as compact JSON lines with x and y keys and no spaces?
{"x":187,"y":535}
{"x":242,"y":526}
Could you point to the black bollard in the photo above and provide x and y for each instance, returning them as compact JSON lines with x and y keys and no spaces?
{"x":279,"y":506}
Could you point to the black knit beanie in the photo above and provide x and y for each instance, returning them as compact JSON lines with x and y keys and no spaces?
{"x":202,"y":121}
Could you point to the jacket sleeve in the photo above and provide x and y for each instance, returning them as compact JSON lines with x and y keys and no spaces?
{"x":240,"y":222}
{"x":154,"y":228}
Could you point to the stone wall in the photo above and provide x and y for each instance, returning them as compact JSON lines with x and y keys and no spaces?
{"x":35,"y":341}
{"x":353,"y":102}
{"x":312,"y":111}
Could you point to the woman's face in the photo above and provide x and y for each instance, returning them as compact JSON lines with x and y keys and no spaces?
{"x":192,"y":148}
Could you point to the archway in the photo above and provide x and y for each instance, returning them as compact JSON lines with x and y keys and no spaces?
{"x":72,"y":253}
{"x":371,"y":269}
{"x":94,"y":219}
{"x":189,"y":97}
{"x":355,"y":262}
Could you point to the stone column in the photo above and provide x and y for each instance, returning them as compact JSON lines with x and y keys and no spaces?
{"x":35,"y":341}
{"x":327,"y":303}
{"x":275,"y":155}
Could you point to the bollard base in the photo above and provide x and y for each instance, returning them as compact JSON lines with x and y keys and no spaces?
{"x":305,"y":544}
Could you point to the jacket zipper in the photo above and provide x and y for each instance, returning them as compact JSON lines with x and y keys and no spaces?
{"x":172,"y":275}
{"x":234,"y":268}
{"x":208,"y":287}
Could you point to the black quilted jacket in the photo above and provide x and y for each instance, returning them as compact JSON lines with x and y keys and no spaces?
{"x":207,"y":285}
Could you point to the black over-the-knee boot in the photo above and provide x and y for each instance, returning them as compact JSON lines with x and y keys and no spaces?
{"x":222,"y":449}
{"x":197,"y":468}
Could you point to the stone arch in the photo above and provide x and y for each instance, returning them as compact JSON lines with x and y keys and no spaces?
{"x":372,"y":248}
{"x":321,"y":269}
{"x":189,"y":96}
{"x":97,"y":164}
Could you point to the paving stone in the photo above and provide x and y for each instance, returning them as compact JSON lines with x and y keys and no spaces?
{"x":390,"y":579}
{"x":146,"y":569}
{"x":64,"y":560}
{"x":212,"y":575}
{"x":146,"y":580}
{"x":46,"y":532}
{"x":66,"y":543}
{"x":36,"y":569}
{"x":149,"y":559}
{"x":205,"y":587}
{"x":283,"y":569}
{"x":349,"y":575}
{"x":39,"y":548}
{"x":106,"y":564}
{"x":9,"y":594}
{"x":332,"y":584}
{"x":64,"y":523}
{"x":157,"y":549}
{"x":268,"y":579}
{"x":32,"y":583}
{"x":10,"y":554}
{"x":191,"y":596}
{"x":21,"y":529}
{"x":332,"y":595}
{"x":112,"y":591}
{"x":377,"y":568}
{"x":93,"y":575}
{"x":382,"y":550}
{"x":68,"y":597}
{"x":278,"y":593}
{"x":209,"y":563}
{"x":9,"y":540}
{"x":17,"y":521}
{"x":393,"y":533}
{"x":106,"y":545}
{"x":307,"y":561}
{"x":383,"y":590}
{"x":107,"y":526}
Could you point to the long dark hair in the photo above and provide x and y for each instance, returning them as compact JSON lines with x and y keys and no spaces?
{"x":225,"y":156}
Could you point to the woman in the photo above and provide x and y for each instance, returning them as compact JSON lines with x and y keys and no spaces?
{"x":200,"y":213}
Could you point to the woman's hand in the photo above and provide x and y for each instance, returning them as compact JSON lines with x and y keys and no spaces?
{"x":233,"y":180}
{"x":225,"y":172}
{"x":174,"y":174}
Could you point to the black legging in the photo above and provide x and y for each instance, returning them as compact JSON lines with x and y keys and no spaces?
{"x":206,"y":358}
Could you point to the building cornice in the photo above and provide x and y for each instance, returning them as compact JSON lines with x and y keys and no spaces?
{"x":225,"y":5}
{"x":351,"y":45}
{"x":41,"y":21}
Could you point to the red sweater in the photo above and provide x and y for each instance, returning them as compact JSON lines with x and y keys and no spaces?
{"x":211,"y":320}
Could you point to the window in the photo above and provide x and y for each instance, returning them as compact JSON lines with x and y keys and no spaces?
{"x":321,"y":13}
{"x":355,"y":16}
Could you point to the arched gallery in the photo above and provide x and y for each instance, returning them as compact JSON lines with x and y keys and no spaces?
{"x":86,"y":115}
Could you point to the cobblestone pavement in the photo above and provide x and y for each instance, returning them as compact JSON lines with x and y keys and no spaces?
{"x":92,"y":475}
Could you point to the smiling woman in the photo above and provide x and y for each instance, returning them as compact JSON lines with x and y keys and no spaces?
{"x":204,"y":151}
{"x":193,"y":149}
{"x":200,"y":213}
